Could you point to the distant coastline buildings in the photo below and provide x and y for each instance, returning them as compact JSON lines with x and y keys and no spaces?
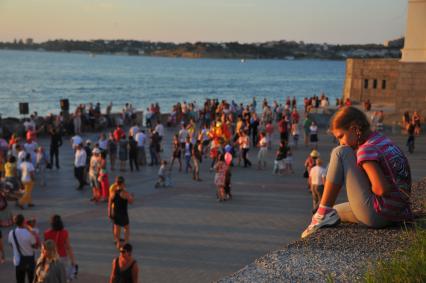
{"x":400,"y":83}
{"x":281,"y":49}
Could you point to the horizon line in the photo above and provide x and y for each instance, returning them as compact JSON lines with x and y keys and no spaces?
{"x":200,"y":41}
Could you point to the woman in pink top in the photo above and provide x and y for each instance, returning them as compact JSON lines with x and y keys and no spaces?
{"x":374,"y":171}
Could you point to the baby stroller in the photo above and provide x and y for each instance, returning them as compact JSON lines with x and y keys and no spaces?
{"x":11,"y":189}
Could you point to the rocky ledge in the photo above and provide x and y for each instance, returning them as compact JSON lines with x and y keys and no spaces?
{"x":342,"y":253}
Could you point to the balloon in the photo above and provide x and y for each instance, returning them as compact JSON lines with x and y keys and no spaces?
{"x":228,"y":158}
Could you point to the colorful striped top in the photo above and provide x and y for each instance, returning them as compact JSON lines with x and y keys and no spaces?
{"x":391,"y":159}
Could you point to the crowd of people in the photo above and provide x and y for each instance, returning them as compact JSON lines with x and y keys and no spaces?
{"x":221,"y":133}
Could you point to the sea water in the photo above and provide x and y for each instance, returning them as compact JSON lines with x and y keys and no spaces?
{"x":43,"y":78}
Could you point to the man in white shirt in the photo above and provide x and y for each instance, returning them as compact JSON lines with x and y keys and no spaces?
{"x":27,"y":179}
{"x":80,"y":165}
{"x":30,"y":147}
{"x":159,"y":128}
{"x":23,"y":242}
{"x":140,"y":138}
{"x":133,"y":130}
{"x":316,"y":180}
{"x":76,"y":140}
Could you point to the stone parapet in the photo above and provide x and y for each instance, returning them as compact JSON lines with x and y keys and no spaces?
{"x":388,"y":81}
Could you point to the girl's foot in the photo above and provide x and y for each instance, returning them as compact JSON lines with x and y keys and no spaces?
{"x":322,"y":218}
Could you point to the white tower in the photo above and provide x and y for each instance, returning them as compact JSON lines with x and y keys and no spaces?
{"x":415,"y":35}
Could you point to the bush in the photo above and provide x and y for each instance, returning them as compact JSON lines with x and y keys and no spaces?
{"x":406,"y":266}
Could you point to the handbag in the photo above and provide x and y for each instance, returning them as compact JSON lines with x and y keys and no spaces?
{"x":306,"y":173}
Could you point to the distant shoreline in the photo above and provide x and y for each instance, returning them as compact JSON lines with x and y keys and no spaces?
{"x":280,"y":50}
{"x":175,"y":57}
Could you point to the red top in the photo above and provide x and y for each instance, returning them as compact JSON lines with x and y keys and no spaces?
{"x":59,"y":237}
{"x":295,"y":117}
{"x":118,"y":134}
{"x":31,"y":135}
{"x":269,"y":128}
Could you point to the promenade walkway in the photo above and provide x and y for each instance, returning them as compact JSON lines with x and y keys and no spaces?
{"x":182,"y":234}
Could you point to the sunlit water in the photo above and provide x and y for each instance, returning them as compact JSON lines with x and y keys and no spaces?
{"x":43,"y":78}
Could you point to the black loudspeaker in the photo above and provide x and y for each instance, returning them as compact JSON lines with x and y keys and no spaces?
{"x":65,"y":105}
{"x":23,"y":108}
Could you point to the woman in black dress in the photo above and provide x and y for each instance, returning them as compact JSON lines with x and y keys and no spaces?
{"x":124,"y":268}
{"x":117,"y":210}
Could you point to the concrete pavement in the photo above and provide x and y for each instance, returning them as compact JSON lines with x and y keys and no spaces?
{"x":182,"y":234}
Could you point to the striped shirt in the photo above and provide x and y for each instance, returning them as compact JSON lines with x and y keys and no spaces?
{"x":396,"y":205}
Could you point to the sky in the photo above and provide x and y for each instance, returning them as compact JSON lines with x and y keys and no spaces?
{"x":316,"y":21}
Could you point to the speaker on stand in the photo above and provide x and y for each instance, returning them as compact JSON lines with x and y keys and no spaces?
{"x":65,"y":108}
{"x":23,"y":108}
{"x":65,"y":105}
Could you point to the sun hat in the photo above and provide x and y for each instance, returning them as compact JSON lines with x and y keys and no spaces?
{"x":314,"y":153}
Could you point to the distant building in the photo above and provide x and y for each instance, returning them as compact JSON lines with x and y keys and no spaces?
{"x":394,"y":43}
{"x":398,"y":82}
{"x":29,"y":41}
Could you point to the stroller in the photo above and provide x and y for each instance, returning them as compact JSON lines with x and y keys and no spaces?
{"x":10,"y":188}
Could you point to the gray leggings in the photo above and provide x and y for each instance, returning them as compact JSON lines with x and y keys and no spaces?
{"x":344,"y":171}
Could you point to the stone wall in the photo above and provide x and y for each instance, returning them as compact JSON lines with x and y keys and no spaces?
{"x":387,"y":81}
{"x":411,"y":88}
{"x":374,"y":79}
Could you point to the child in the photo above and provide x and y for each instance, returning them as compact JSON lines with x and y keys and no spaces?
{"x":280,"y":156}
{"x":313,"y":132}
{"x":316,"y":181}
{"x":263,"y":149}
{"x":161,"y":182}
{"x":374,"y":171}
{"x":168,"y":177}
{"x":220,"y":177}
{"x":42,"y":163}
{"x":269,"y":129}
{"x":104,"y":184}
{"x":289,"y":162}
{"x":295,"y":134}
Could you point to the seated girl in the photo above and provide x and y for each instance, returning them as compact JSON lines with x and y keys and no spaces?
{"x":374,"y":171}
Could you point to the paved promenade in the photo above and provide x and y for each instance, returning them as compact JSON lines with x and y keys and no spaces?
{"x":182,"y":234}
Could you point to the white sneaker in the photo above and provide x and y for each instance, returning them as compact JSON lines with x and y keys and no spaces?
{"x":329,"y":219}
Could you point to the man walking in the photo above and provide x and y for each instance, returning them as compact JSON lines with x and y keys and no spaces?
{"x":23,"y":241}
{"x":55,"y":143}
{"x":80,"y":165}
{"x":140,"y":138}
